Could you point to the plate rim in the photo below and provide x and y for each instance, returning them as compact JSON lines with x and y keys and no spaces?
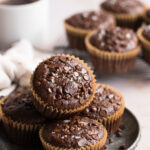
{"x":137,"y":140}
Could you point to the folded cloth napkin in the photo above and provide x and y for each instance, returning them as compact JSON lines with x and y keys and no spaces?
{"x":17,"y":65}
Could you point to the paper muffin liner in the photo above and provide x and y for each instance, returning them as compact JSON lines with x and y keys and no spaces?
{"x":112,"y":122}
{"x":18,"y":132}
{"x":55,"y":113}
{"x":99,"y":145}
{"x":111,"y":62}
{"x":76,"y":36}
{"x":145,"y":45}
{"x":128,"y":20}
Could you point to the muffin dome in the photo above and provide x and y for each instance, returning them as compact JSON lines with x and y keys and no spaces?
{"x":73,"y":133}
{"x":19,"y":107}
{"x":123,"y":6}
{"x":105,"y":103}
{"x":115,"y":40}
{"x":62,"y":85}
{"x":91,"y":20}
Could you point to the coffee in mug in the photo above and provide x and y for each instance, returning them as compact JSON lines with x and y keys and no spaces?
{"x":16,"y":2}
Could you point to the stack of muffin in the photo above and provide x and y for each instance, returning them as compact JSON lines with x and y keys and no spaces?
{"x":108,"y":35}
{"x":65,"y":108}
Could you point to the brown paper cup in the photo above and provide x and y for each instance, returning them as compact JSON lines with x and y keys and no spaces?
{"x":145,"y":45}
{"x":76,"y":36}
{"x":99,"y":145}
{"x":112,"y":122}
{"x":54,"y":113}
{"x":111,"y":62}
{"x":127,"y":20}
{"x":20,"y":133}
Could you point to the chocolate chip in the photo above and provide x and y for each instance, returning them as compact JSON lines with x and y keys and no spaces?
{"x":95,"y":136}
{"x":122,"y":147}
{"x":68,"y":96}
{"x":63,"y":59}
{"x":119,"y":134}
{"x":88,"y":137}
{"x":94,"y":109}
{"x":59,"y":97}
{"x":81,"y":101}
{"x":82,"y":142}
{"x":76,"y":74}
{"x":106,"y":104}
{"x":95,"y":101}
{"x":86,"y":77}
{"x":77,"y":67}
{"x":103,"y":113}
{"x":111,"y":101}
{"x":86,"y":110}
{"x":77,"y":96}
{"x":110,"y":141}
{"x":38,"y":83}
{"x":49,"y":90}
{"x":105,"y":147}
{"x":59,"y":90}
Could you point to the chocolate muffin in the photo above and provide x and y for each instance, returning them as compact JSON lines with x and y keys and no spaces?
{"x":62,"y":85}
{"x":144,"y":36}
{"x":113,"y":50}
{"x":80,"y":24}
{"x":75,"y":133}
{"x":107,"y":107}
{"x":128,"y":13}
{"x":20,"y":118}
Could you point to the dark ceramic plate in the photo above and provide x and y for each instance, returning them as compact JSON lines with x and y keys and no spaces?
{"x":130,"y":136}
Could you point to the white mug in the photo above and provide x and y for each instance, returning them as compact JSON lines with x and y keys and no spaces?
{"x":28,"y":21}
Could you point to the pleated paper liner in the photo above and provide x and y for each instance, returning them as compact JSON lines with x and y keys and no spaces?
{"x":20,"y":133}
{"x":128,"y":20}
{"x":108,"y":62}
{"x":145,"y":45}
{"x":99,"y":145}
{"x":55,"y":113}
{"x":76,"y":36}
{"x":112,"y":122}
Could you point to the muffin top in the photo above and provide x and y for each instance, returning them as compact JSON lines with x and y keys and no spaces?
{"x":123,"y":6}
{"x":63,"y":82}
{"x":115,"y":40}
{"x":73,"y":133}
{"x":146,"y":32}
{"x":91,"y":20}
{"x":105,"y":103}
{"x":19,"y":107}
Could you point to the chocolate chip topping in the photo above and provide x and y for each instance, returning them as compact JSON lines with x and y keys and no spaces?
{"x":73,"y":133}
{"x":123,"y":6}
{"x":146,"y":32}
{"x":105,"y":103}
{"x":63,"y":82}
{"x":91,"y":20}
{"x":115,"y":39}
{"x":19,"y":107}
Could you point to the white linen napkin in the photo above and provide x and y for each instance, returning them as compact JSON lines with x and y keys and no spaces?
{"x":17,"y":65}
